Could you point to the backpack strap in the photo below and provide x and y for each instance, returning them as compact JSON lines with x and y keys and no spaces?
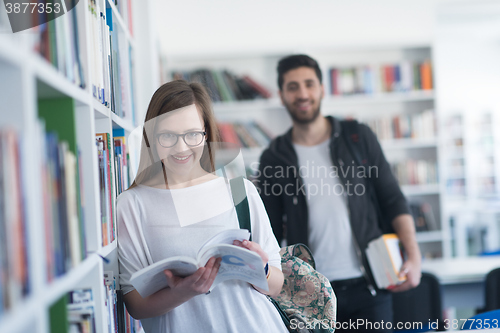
{"x":350,"y":131}
{"x":241,"y":203}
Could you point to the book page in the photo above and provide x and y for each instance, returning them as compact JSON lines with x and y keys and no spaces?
{"x":226,"y":237}
{"x":392,"y":245}
{"x":149,"y":280}
{"x":237,"y":263}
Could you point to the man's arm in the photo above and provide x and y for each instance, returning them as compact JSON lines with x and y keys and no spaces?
{"x":405,"y":229}
{"x":394,"y":206}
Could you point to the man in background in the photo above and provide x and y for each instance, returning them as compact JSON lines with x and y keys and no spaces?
{"x":316,"y":193}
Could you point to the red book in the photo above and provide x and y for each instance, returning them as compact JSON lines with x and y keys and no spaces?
{"x":259,"y":88}
{"x":228,"y":134}
{"x":334,"y":76}
{"x":396,"y":128}
{"x":389,"y":77}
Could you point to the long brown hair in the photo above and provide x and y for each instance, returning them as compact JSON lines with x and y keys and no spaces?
{"x":169,"y":97}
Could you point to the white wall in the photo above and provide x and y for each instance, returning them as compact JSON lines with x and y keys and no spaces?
{"x":199,"y":28}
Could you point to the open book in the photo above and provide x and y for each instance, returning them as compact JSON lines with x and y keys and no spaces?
{"x":237,"y":263}
{"x":385,"y":258}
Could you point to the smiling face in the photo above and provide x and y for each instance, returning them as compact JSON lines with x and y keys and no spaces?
{"x":181,"y":161}
{"x":301,"y":94}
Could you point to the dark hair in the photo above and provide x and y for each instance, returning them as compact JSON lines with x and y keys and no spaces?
{"x":295,"y":61}
{"x":170,"y":97}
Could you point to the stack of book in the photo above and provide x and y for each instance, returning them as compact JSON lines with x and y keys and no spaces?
{"x":371,"y":79}
{"x":386,"y":259}
{"x":223,"y":86}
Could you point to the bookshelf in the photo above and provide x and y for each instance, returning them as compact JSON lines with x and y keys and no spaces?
{"x":381,"y":103}
{"x":467,"y":70}
{"x":56,"y":222}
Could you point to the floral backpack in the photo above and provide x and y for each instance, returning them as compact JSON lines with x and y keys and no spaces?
{"x":307,"y":302}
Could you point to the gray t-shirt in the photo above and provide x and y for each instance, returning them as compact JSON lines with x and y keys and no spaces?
{"x":330,"y":233}
{"x":154,"y":224}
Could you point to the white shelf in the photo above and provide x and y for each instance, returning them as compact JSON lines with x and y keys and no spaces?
{"x":408,"y":143}
{"x":121,"y":123}
{"x":425,"y":189}
{"x":16,"y":319}
{"x":251,"y":105}
{"x":429,"y":236}
{"x":100,"y":110}
{"x":252,"y":153}
{"x":66,"y":283}
{"x":328,"y":101}
{"x":379,"y":98}
{"x":106,"y":250}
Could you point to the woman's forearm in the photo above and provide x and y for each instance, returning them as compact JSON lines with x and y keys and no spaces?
{"x":275,"y":282}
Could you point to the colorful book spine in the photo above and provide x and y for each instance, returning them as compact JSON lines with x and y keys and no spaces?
{"x":400,"y":77}
{"x":14,"y":270}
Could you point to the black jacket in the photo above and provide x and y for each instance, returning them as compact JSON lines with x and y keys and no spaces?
{"x":283,"y":193}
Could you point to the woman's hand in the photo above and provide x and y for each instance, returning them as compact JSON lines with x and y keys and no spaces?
{"x":195,"y":284}
{"x":255,"y":247}
{"x":275,"y":276}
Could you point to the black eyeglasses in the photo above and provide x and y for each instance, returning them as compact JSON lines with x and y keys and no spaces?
{"x":192,"y":139}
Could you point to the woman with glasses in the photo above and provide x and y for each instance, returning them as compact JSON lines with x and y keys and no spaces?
{"x":175,"y":204}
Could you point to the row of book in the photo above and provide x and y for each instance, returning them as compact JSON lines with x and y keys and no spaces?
{"x":125,"y":9}
{"x":245,"y":134}
{"x":74,"y":312}
{"x":119,"y":320}
{"x":416,"y":172}
{"x":14,"y":270}
{"x":63,"y":202}
{"x":415,"y":126}
{"x":58,"y":41}
{"x":224,"y":86}
{"x":372,"y":79}
{"x":113,"y":179}
{"x":112,"y":62}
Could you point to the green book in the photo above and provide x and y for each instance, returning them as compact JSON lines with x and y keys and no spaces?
{"x":58,"y":316}
{"x":59,"y":116}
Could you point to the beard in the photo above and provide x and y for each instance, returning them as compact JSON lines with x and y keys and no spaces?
{"x":303,"y":119}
